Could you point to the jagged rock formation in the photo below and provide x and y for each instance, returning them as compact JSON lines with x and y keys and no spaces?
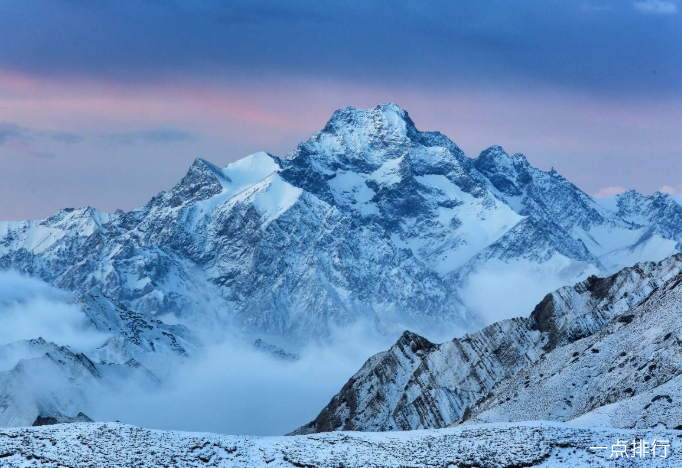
{"x":59,"y":418}
{"x":133,"y":335}
{"x":626,"y":374}
{"x":368,"y":219}
{"x":274,"y":351}
{"x":613,"y":341}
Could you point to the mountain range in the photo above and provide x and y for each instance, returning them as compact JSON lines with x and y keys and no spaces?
{"x":369,"y":222}
{"x":370,"y":219}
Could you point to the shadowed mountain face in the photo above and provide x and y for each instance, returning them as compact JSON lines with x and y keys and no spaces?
{"x":607,"y":352}
{"x":369,"y":219}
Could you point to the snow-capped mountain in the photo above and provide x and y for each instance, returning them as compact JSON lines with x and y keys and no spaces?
{"x":369,"y":219}
{"x":40,"y":379}
{"x":489,"y":446}
{"x":607,"y":351}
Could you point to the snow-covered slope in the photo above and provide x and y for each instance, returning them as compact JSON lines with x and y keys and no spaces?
{"x":369,"y":219}
{"x":489,"y":446}
{"x":613,"y":340}
{"x":633,"y":363}
{"x":133,"y":335}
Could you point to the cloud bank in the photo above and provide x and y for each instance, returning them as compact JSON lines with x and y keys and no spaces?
{"x":31,"y":309}
{"x":229,"y":387}
{"x":234,"y":388}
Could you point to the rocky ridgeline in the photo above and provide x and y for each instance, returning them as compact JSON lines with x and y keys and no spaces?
{"x":368,"y":219}
{"x":607,"y":351}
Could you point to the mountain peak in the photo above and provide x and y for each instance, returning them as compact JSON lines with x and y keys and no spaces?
{"x":390,"y":107}
{"x":358,"y":140}
{"x":383,"y":119}
{"x":415,"y":342}
{"x":386,"y":109}
{"x":203,"y":180}
{"x":203,"y":166}
{"x":497,"y":156}
{"x":503,"y":170}
{"x":630,"y":195}
{"x":520,"y":158}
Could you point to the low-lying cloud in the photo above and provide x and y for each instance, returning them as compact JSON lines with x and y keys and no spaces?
{"x":229,"y":386}
{"x":492,"y":291}
{"x":33,"y":309}
{"x":234,"y":388}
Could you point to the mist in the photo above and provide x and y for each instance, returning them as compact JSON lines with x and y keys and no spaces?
{"x":228,"y":386}
{"x":502,"y":290}
{"x":31,"y":309}
{"x":234,"y":388}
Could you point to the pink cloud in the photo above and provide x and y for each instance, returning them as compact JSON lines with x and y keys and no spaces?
{"x":570,"y":131}
{"x":671,"y":190}
{"x":609,"y":191}
{"x":285,"y":111}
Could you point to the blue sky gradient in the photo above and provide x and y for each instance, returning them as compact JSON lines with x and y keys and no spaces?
{"x":106,"y":103}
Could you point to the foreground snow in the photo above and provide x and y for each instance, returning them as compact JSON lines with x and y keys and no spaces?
{"x":522,"y":444}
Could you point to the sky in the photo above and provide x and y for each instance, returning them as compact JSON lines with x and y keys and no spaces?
{"x":107,"y":103}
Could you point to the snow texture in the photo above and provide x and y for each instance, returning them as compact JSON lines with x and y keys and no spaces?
{"x":607,"y":352}
{"x":489,"y":446}
{"x":369,"y":219}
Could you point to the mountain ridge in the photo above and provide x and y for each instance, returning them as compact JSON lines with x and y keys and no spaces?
{"x":368,"y":219}
{"x":566,"y":360}
{"x":45,"y":380}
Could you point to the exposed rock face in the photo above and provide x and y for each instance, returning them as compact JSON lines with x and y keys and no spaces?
{"x":627,"y":374}
{"x":369,"y":219}
{"x":600,"y":342}
{"x":274,"y":351}
{"x":134,"y":335}
{"x":58,"y":418}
